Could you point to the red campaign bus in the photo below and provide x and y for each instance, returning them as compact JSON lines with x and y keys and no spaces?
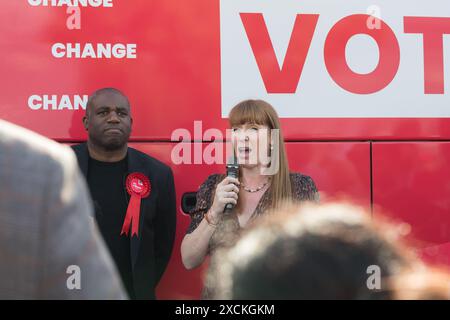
{"x":363,"y":92}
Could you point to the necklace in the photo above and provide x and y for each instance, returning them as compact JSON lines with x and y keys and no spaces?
{"x":255,"y":190}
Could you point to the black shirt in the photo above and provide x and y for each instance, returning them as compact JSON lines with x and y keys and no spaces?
{"x":106,"y":182}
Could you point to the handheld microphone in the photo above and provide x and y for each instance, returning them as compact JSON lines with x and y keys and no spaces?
{"x":232,"y":171}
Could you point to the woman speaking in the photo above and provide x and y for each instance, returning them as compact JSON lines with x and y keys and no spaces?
{"x":264,"y":182}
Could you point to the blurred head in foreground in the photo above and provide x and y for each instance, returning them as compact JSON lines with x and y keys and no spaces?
{"x":333,"y":251}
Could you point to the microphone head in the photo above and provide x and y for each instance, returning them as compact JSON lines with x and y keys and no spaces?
{"x":232,"y":167}
{"x":232,"y":171}
{"x":232,"y":160}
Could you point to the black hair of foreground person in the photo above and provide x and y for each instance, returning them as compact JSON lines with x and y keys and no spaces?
{"x":313,"y":252}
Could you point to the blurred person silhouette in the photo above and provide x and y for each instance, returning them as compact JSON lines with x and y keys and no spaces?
{"x":49,"y":248}
{"x":314,"y":252}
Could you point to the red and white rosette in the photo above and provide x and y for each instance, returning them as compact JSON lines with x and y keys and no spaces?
{"x":138,"y":187}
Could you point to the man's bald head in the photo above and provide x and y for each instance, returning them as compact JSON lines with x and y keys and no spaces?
{"x":105,"y":91}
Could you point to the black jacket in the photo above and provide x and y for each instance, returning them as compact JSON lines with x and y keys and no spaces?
{"x":151,"y":250}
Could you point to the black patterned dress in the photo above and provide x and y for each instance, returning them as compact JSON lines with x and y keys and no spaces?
{"x":228,"y":229}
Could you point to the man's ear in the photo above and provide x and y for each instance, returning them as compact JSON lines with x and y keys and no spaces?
{"x":85,"y":122}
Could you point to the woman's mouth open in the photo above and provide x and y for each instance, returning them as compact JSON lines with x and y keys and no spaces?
{"x":244,"y":151}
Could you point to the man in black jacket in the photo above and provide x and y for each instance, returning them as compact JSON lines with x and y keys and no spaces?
{"x":133,"y":194}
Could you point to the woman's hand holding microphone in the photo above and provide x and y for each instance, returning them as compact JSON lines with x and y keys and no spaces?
{"x":226,"y":192}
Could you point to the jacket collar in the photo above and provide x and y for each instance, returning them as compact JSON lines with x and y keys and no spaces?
{"x":135,"y":163}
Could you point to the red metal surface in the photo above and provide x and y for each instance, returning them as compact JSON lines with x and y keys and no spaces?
{"x":411,"y":182}
{"x":174,"y":81}
{"x":340,"y":170}
{"x":177,"y":70}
